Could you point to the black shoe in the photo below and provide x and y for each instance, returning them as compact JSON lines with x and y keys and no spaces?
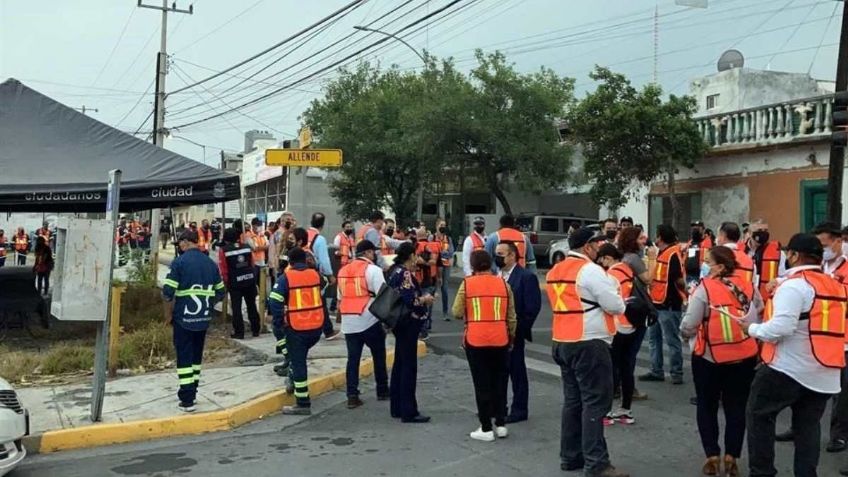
{"x":297,"y":410}
{"x":785,"y":436}
{"x":282,"y":369}
{"x":237,"y":336}
{"x":836,"y":445}
{"x":651,"y":377}
{"x":693,"y":400}
{"x":419,"y":419}
{"x":677,"y":380}
{"x":511,"y":419}
{"x":255,"y":334}
{"x":354,"y":402}
{"x":383,"y":397}
{"x":187,"y":406}
{"x":570,"y":467}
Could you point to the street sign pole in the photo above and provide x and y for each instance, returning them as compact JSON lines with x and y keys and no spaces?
{"x":101,"y":352}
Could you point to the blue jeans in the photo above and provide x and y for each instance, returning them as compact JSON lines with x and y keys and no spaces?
{"x":667,"y":328}
{"x":375,"y":338}
{"x":446,"y":271}
{"x":428,"y":322}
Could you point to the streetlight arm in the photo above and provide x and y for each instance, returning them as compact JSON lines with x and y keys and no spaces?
{"x":392,"y":35}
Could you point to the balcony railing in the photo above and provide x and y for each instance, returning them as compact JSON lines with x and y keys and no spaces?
{"x":795,"y":120}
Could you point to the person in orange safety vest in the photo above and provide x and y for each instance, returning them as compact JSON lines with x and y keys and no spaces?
{"x":723,"y":356}
{"x":770,"y":261}
{"x":486,"y":304}
{"x":476,"y":240}
{"x":21,"y":246}
{"x":584,"y":301}
{"x":803,"y":338}
{"x":3,"y":245}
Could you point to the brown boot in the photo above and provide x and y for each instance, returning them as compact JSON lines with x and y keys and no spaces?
{"x":730,"y":467}
{"x":712,"y":466}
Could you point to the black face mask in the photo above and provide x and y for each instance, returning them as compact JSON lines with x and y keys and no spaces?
{"x":479,"y":229}
{"x":290,"y":245}
{"x":500,"y":261}
{"x":348,"y":232}
{"x":442,"y":230}
{"x":390,"y":231}
{"x":611,"y":234}
{"x":761,"y":236}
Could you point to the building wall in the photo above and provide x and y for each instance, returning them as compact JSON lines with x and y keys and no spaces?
{"x":578,"y":204}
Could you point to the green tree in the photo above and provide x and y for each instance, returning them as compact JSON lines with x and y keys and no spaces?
{"x":503,"y":125}
{"x":633,"y":137}
{"x":375,"y":117}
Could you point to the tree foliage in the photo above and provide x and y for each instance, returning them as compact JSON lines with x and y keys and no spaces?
{"x":633,"y":137}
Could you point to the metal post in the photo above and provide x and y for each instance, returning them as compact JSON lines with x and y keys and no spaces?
{"x":115,"y":329}
{"x":836,"y":168}
{"x":101,"y":352}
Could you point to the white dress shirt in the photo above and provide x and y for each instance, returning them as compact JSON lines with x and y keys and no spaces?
{"x":505,"y":274}
{"x":595,"y":285}
{"x":358,"y":323}
{"x":794,"y":354}
{"x":467,"y":248}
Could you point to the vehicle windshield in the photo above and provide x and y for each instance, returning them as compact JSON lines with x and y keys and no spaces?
{"x":524,"y":224}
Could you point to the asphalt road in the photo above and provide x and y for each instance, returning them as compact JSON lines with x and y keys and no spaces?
{"x":336,"y":441}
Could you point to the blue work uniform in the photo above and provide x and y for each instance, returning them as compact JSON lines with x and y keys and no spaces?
{"x":194,"y":285}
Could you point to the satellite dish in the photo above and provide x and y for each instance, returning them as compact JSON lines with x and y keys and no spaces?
{"x":731,"y":59}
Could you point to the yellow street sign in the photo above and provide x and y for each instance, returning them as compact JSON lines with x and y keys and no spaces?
{"x":305,"y":137}
{"x":304,"y":157}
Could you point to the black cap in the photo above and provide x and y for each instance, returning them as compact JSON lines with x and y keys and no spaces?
{"x":696,"y":223}
{"x":364,"y":246}
{"x":479,"y":220}
{"x":626,"y":219}
{"x":583,"y":236}
{"x":806,"y":243}
{"x":188,"y":236}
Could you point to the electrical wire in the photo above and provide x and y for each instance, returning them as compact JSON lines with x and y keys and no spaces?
{"x":114,"y":47}
{"x":824,"y":34}
{"x":792,"y":35}
{"x":219,"y":27}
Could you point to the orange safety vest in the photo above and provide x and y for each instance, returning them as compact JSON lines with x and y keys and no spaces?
{"x":707,"y":242}
{"x":204,"y":238}
{"x":311,"y":234}
{"x":433,"y":247}
{"x":21,"y":243}
{"x":769,"y":266}
{"x":345,"y":247}
{"x":659,"y":284}
{"x":623,"y":274}
{"x":2,"y":247}
{"x":516,"y":237}
{"x":841,"y":272}
{"x":720,"y":331}
{"x":825,"y":320}
{"x":384,"y":247}
{"x":258,"y":240}
{"x":353,"y":287}
{"x":42,"y":232}
{"x":744,"y":270}
{"x":477,"y":242}
{"x":566,"y":303}
{"x":486,"y":303}
{"x":444,"y":243}
{"x":304,"y":304}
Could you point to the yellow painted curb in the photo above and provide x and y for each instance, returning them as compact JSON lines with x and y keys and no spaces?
{"x":190,"y":424}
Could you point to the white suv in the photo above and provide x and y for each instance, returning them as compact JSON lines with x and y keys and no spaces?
{"x":14,"y":425}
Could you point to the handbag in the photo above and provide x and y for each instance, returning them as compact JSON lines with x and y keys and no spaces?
{"x":640,"y":309}
{"x":388,"y":307}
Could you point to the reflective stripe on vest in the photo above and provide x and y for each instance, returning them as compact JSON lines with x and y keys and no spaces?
{"x":769,"y":266}
{"x":21,"y":243}
{"x":354,"y":288}
{"x":825,"y":320}
{"x":305,"y":308}
{"x":486,"y":303}
{"x":445,"y":246}
{"x":744,"y":272}
{"x":477,"y":242}
{"x":659,"y":282}
{"x":345,"y":248}
{"x":384,"y":247}
{"x":433,"y":248}
{"x":720,"y":331}
{"x":516,"y":237}
{"x":624,"y":276}
{"x":566,"y":303}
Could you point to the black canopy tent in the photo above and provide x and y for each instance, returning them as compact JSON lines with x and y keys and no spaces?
{"x":56,"y":159}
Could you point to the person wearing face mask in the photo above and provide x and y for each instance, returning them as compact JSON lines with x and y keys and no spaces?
{"x":770,"y":261}
{"x":584,"y":301}
{"x":510,"y":232}
{"x":667,"y":293}
{"x":447,"y":250}
{"x":802,"y":352}
{"x":729,"y":236}
{"x":609,"y":227}
{"x":373,"y":232}
{"x":694,"y":251}
{"x":723,"y":356}
{"x":476,"y":240}
{"x":707,"y":237}
{"x":528,"y":302}
{"x":345,"y":243}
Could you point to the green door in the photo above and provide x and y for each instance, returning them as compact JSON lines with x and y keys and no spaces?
{"x":813,"y":203}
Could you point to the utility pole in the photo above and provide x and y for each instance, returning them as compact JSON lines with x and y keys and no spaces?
{"x":83,"y":109}
{"x":159,"y":110}
{"x":836,"y":168}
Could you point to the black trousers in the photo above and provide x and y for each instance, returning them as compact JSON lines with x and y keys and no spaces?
{"x":248,"y":294}
{"x":42,"y":282}
{"x":624,"y":351}
{"x":21,"y":258}
{"x":772,"y":392}
{"x":729,"y":385}
{"x":586,"y":369}
{"x":375,"y":338}
{"x":839,"y":411}
{"x":299,"y":343}
{"x":405,"y":369}
{"x":189,"y":347}
{"x":489,"y":371}
{"x":520,"y":383}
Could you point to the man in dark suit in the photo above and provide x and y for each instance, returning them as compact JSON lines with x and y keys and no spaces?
{"x":528,"y":302}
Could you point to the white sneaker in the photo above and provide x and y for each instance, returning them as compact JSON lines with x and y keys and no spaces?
{"x":501,"y":431}
{"x":479,"y":435}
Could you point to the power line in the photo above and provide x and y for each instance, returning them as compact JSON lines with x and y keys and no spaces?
{"x":824,"y":34}
{"x":276,"y":45}
{"x":219,"y":27}
{"x":792,"y":35}
{"x":115,"y":47}
{"x":140,"y":98}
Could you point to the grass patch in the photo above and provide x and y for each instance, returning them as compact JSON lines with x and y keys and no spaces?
{"x":149,"y":346}
{"x":67,"y":357}
{"x":16,"y":365}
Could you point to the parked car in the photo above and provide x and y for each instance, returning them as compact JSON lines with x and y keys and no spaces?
{"x":14,"y":425}
{"x":559,"y":248}
{"x":544,"y":229}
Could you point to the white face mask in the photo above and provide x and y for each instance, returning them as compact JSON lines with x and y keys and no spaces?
{"x":829,"y":254}
{"x":705,"y":270}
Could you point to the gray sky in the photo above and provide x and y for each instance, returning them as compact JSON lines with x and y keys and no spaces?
{"x":74,"y":50}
